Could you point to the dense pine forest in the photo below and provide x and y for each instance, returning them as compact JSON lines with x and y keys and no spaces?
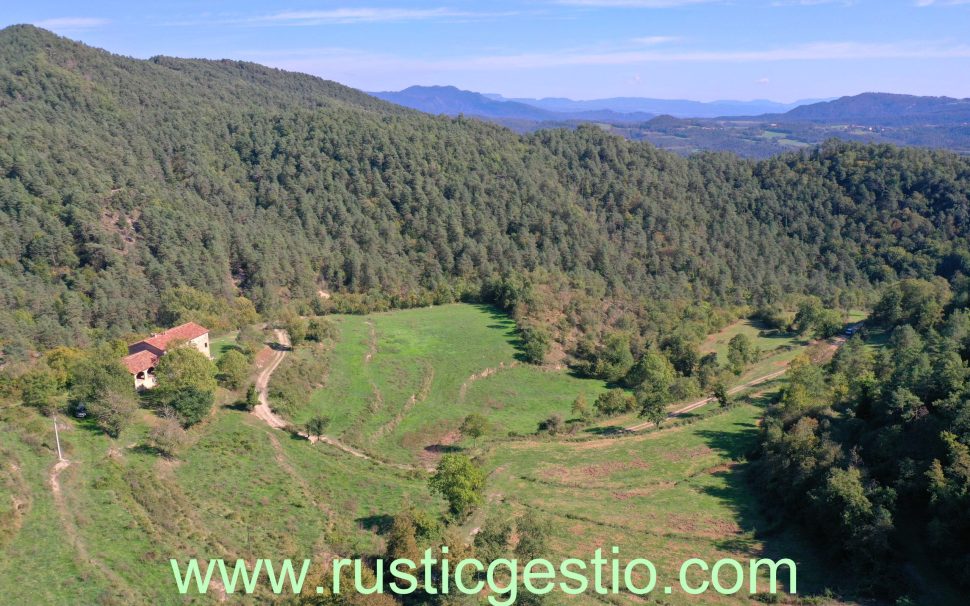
{"x":130,"y":187}
{"x":872,"y":451}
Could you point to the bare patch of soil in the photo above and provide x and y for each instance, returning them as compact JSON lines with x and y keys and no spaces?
{"x":432,"y":453}
{"x":683,"y":454}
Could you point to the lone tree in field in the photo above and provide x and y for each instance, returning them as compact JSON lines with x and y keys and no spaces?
{"x":721,"y":394}
{"x":652,"y":408}
{"x":474,"y":426}
{"x":402,"y":541}
{"x":533,"y":532}
{"x":317,"y":425}
{"x":740,"y":353}
{"x":581,"y":408}
{"x":459,"y":481}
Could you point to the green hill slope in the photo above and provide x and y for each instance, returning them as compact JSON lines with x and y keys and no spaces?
{"x":121,"y":179}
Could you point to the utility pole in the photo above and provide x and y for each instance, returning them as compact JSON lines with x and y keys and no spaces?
{"x":57,"y":438}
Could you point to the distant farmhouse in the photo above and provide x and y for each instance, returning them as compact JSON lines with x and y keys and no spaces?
{"x":143,"y":356}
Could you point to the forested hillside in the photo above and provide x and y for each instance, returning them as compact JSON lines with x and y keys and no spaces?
{"x":871,"y":451}
{"x":124,"y":180}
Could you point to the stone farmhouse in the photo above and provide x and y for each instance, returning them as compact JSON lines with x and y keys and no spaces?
{"x":143,"y":356}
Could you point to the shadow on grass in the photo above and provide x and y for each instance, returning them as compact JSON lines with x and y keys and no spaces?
{"x":605,"y":430}
{"x":764,"y":533}
{"x":379,"y":523}
{"x":443,"y":448}
{"x":145,"y":449}
{"x":278,"y":346}
{"x":502,"y":321}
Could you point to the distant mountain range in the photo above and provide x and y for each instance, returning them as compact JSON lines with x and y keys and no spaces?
{"x":679,"y":108}
{"x":750,"y":128}
{"x":452,"y":101}
{"x":884,"y":109}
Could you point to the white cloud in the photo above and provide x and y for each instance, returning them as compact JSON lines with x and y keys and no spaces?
{"x":71,"y":23}
{"x":803,"y":52}
{"x":762,"y":81}
{"x":634,"y":3}
{"x":811,"y":2}
{"x":327,"y":60}
{"x":365,"y":15}
{"x":655,"y":40}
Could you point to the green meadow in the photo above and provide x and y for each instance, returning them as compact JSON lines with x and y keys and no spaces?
{"x":403,"y":381}
{"x":398,"y":386}
{"x":667,"y":496}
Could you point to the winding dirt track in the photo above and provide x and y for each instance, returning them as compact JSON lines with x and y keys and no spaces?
{"x":833,"y":345}
{"x":695,"y":405}
{"x":263,"y":412}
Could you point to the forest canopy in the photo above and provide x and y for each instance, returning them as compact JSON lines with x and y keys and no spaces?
{"x":130,"y":189}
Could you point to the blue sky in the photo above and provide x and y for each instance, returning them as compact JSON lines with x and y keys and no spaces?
{"x":584,"y":49}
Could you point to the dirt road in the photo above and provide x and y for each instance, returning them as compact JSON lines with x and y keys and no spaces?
{"x":833,"y":345}
{"x":262,"y":410}
{"x":695,"y":405}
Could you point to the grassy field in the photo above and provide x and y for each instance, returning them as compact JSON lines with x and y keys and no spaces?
{"x":761,"y":338}
{"x":222,"y":343}
{"x":401,"y":382}
{"x":667,"y":496}
{"x":241,"y":489}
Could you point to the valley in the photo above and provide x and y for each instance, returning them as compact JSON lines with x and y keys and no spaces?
{"x":242,"y":488}
{"x":432,"y":331}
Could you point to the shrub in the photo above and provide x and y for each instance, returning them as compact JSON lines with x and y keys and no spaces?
{"x":536,"y":344}
{"x":233,"y":369}
{"x":191,"y":404}
{"x":614,"y":402}
{"x":554,"y":424}
{"x":252,"y":398}
{"x":317,"y":425}
{"x":474,"y":426}
{"x":321,"y":329}
{"x":166,"y":437}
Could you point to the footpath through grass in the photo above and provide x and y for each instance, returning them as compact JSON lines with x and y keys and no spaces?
{"x":401,"y":382}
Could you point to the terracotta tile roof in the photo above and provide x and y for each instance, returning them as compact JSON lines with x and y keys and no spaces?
{"x":185,"y":332}
{"x":139,"y":362}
